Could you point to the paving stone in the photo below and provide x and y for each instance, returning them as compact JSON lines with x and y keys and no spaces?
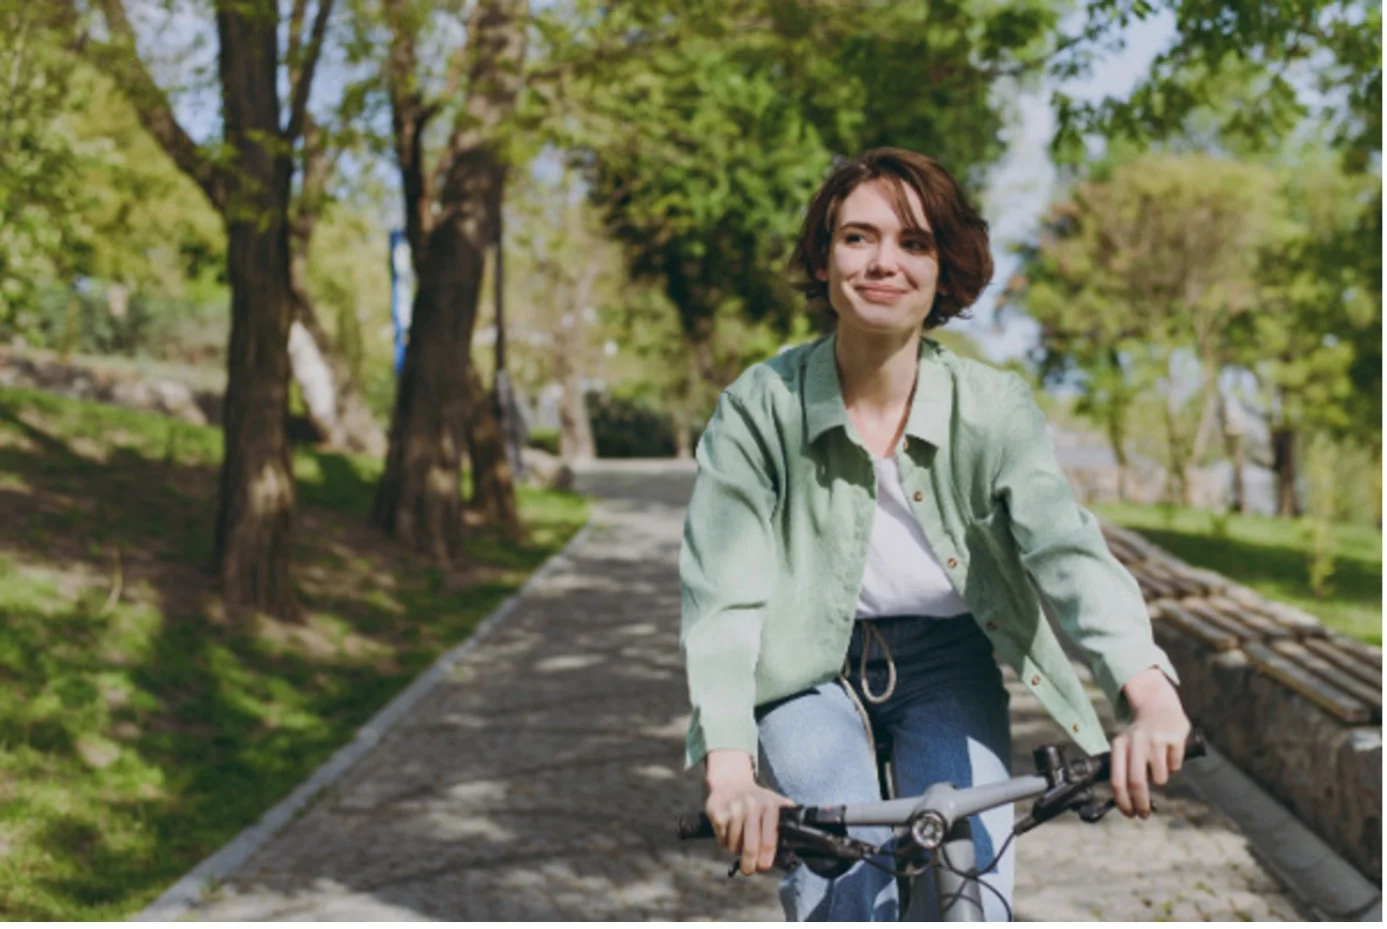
{"x":541,"y":779}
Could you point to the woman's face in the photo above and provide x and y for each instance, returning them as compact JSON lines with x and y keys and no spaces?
{"x":881,"y":275}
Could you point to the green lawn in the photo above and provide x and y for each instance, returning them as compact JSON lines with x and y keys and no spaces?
{"x":1270,"y":556}
{"x":140,"y":729}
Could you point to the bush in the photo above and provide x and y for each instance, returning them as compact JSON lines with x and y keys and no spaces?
{"x":546,"y":440}
{"x":628,"y":428}
{"x":78,"y":320}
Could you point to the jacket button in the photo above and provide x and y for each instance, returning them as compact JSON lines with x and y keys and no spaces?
{"x":1076,"y":727}
{"x":1035,"y":681}
{"x":919,"y":495}
{"x":953,"y":562}
{"x":992,"y":626}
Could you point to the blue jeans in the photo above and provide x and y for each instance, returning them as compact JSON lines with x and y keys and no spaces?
{"x":947,"y":717}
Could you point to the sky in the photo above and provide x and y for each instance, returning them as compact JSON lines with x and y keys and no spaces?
{"x":1022,"y":185}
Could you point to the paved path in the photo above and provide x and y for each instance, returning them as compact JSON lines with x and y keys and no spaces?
{"x":540,"y":781}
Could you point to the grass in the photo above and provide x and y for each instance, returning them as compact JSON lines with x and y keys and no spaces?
{"x":140,"y":728}
{"x":1271,"y":556}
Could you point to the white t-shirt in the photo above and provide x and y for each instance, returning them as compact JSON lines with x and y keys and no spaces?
{"x":903,"y":576}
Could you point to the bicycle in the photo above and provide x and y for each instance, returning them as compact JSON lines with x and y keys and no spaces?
{"x":937,"y":820}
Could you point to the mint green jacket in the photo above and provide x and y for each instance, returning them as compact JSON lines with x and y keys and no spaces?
{"x":777,"y":531}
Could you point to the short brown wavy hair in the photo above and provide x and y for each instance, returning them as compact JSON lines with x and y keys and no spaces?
{"x":960,"y":232}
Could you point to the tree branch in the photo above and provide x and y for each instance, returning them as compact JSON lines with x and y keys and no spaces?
{"x":121,"y":59}
{"x":408,"y":119}
{"x":296,"y":15}
{"x":298,"y":106}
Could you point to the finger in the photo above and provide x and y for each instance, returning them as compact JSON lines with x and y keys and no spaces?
{"x":1177,"y":751}
{"x":718,"y":817}
{"x":751,"y":840}
{"x":735,"y":818}
{"x":770,"y":821}
{"x":1136,"y":778}
{"x":1160,"y":757}
{"x":1119,"y":775}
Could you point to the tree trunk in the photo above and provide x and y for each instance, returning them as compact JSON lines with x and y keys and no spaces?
{"x":1208,"y":415}
{"x":419,"y":500}
{"x":1233,"y":442}
{"x":1177,"y":476}
{"x":493,"y":482}
{"x":336,"y":408}
{"x":1117,"y":437}
{"x":256,"y":504}
{"x":1283,"y":462}
{"x":575,"y":425}
{"x":339,"y":412}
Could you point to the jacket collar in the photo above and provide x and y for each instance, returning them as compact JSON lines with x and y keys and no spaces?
{"x":929,"y":409}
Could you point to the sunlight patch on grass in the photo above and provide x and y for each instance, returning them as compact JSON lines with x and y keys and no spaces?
{"x":140,"y":732}
{"x":1271,"y":556}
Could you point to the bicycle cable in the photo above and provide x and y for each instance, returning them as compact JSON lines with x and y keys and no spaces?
{"x":943,"y":862}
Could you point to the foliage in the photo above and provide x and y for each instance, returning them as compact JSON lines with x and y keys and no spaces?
{"x":703,"y":154}
{"x":1245,"y":57}
{"x":348,"y":277}
{"x":141,"y":731}
{"x":1316,"y":342}
{"x":1271,"y":556}
{"x":40,"y":160}
{"x":1149,"y":258}
{"x":626,"y":427}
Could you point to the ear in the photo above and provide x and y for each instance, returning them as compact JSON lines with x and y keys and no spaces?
{"x":821,"y":274}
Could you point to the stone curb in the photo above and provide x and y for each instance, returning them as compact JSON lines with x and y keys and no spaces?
{"x":1331,"y":888}
{"x":188,"y":891}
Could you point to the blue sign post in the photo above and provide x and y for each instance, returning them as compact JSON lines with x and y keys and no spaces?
{"x":401,"y":294}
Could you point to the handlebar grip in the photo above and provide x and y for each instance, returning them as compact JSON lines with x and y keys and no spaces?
{"x":694,"y":826}
{"x":1195,"y":747}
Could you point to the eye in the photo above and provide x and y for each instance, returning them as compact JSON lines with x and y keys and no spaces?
{"x":919,"y":245}
{"x":852,"y":238}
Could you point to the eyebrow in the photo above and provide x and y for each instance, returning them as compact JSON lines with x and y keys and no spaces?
{"x":868,"y":227}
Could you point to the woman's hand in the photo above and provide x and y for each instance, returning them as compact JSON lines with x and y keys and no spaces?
{"x":745,"y":815}
{"x":1155,"y":740}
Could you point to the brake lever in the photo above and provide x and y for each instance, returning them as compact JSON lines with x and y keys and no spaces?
{"x":816,"y":848}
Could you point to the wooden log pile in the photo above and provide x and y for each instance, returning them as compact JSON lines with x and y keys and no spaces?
{"x":1340,"y":675}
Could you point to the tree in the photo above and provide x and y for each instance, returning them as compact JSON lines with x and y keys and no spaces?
{"x":452,"y":210}
{"x":1265,"y":47}
{"x":247,"y":178}
{"x":1156,"y":255}
{"x":703,"y":155}
{"x":1310,"y":335}
{"x":334,"y":402}
{"x":40,"y":162}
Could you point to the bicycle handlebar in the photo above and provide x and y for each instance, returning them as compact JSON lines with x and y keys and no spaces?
{"x":1078,"y":773}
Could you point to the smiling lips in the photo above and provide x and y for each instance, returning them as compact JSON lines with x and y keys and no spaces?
{"x":880,"y":292}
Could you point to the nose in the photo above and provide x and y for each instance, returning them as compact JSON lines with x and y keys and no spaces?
{"x":885,"y":258}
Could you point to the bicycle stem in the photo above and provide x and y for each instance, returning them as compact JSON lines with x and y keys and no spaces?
{"x":950,"y":802}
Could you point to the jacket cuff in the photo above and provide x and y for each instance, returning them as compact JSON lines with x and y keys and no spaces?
{"x":1115,"y":673}
{"x":721,"y":730}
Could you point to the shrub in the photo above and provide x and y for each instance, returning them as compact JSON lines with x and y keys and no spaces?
{"x":629,"y":428}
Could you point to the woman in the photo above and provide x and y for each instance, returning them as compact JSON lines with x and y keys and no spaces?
{"x":874,"y":519}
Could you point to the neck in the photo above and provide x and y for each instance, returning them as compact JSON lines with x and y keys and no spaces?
{"x":877,"y":370}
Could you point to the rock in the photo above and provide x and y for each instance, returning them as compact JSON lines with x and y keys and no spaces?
{"x":547,"y":470}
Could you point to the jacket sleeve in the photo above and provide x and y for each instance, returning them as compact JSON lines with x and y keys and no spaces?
{"x":1095,"y":599}
{"x":727,"y":572}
